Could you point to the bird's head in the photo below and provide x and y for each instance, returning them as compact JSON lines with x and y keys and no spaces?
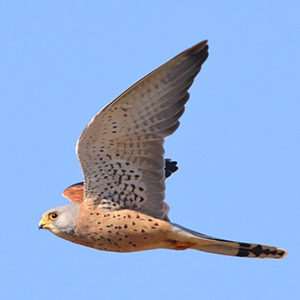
{"x":61,"y":220}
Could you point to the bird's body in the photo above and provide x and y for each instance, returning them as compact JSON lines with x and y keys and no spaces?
{"x":120,"y":206}
{"x":122,"y":231}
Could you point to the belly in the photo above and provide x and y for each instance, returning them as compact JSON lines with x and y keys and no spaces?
{"x":122,"y":231}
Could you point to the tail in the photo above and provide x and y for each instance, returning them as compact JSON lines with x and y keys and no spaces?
{"x":195,"y":240}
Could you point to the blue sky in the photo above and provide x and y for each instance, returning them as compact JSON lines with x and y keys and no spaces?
{"x":237,"y":148}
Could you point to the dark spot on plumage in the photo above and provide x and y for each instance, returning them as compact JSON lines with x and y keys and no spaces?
{"x":109,"y":231}
{"x":134,"y":245}
{"x":126,"y":235}
{"x":173,"y":242}
{"x":133,"y":223}
{"x":245,"y":245}
{"x":258,"y":250}
{"x":143,"y":230}
{"x":116,"y":244}
{"x":243,"y":252}
{"x":150,"y":220}
{"x":125,"y":226}
{"x":156,"y":224}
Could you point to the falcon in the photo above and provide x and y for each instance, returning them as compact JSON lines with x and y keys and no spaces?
{"x":120,"y":205}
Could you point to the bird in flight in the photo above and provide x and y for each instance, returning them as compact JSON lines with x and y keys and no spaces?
{"x":120,"y":206}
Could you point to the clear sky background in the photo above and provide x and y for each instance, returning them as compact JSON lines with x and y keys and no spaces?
{"x":237,"y":148}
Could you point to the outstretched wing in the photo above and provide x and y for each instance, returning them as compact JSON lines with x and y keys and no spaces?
{"x":121,"y":149}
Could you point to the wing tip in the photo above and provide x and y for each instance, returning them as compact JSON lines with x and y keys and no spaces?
{"x":199,"y":47}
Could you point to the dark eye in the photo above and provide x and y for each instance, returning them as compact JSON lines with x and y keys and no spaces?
{"x":53,"y":216}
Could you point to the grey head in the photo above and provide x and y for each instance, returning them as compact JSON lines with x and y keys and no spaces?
{"x":61,"y":220}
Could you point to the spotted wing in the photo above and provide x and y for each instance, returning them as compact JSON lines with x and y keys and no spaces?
{"x":121,"y":149}
{"x":75,"y":191}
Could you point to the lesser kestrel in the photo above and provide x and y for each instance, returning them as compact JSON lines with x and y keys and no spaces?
{"x":120,"y":207}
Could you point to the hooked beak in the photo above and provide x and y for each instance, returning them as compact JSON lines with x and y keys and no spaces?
{"x":44,"y":224}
